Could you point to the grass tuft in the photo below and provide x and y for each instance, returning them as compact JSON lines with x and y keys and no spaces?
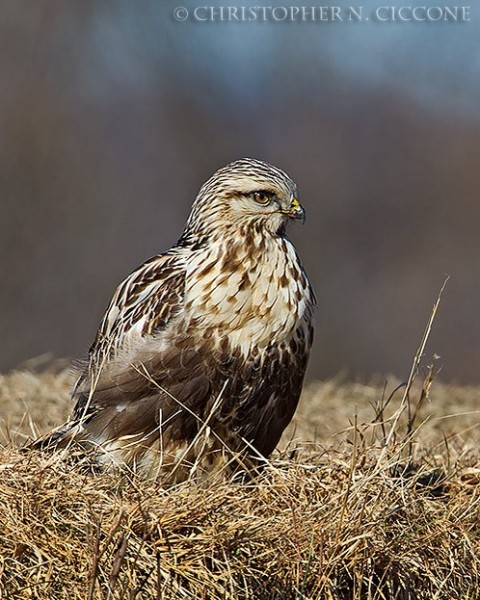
{"x":349,"y":508}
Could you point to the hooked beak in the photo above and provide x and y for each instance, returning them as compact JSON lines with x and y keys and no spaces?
{"x":296,"y":211}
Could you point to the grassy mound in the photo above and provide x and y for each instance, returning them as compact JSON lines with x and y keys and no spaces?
{"x":369,"y":496}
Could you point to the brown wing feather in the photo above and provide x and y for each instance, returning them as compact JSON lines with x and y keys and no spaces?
{"x":114,"y":393}
{"x":153,"y":294}
{"x":144,"y":397}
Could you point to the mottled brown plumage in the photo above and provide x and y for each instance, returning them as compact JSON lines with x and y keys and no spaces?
{"x":200,"y":357}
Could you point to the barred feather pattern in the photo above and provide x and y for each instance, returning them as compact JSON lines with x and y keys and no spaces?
{"x":199,"y":360}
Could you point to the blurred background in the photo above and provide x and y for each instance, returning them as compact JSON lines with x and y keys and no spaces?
{"x":112,"y":114}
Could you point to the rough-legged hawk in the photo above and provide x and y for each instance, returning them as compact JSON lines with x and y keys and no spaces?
{"x":200,"y":357}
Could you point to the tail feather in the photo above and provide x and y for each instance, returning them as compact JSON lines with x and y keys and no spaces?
{"x":58,"y":438}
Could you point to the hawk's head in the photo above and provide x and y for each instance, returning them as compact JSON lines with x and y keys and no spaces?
{"x":246,"y":193}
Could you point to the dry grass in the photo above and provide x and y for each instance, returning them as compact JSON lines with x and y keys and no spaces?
{"x":340,"y":513}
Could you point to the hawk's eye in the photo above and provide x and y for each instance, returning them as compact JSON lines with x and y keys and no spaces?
{"x":262,"y":197}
